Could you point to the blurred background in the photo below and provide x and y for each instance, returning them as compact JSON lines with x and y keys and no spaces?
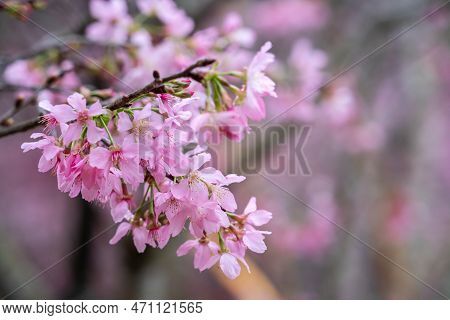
{"x":378,"y":150}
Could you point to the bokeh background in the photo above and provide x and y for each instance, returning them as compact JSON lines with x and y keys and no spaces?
{"x":378,"y":150}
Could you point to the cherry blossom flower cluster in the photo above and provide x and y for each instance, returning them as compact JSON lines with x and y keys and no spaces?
{"x":146,"y":156}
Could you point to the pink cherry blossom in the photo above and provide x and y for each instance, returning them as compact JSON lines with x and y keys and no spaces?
{"x":205,"y":250}
{"x":140,"y":124}
{"x":146,"y":158}
{"x":24,"y":73}
{"x":258,"y":84}
{"x":78,"y":116}
{"x":125,"y":158}
{"x":140,"y":235}
{"x":229,"y":263}
{"x":212,"y":125}
{"x":176,"y":21}
{"x":113,"y":21}
{"x":50,"y":147}
{"x":207,"y":217}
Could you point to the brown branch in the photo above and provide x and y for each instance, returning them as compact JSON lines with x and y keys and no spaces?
{"x":124,"y":101}
{"x":157,"y":84}
{"x":21,"y":127}
{"x":7,"y":118}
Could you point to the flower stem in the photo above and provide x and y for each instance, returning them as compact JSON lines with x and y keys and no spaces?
{"x":107,"y":131}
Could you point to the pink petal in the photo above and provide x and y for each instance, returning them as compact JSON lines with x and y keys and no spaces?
{"x":124,"y":123}
{"x":233,"y":178}
{"x":99,"y":158}
{"x":212,"y":175}
{"x":225,"y":198}
{"x":77,"y":101}
{"x":230,"y":266}
{"x":177,"y":224}
{"x":146,"y":112}
{"x":199,"y":160}
{"x":45,"y":165}
{"x":129,"y":147}
{"x":72,"y":133}
{"x":259,"y":217}
{"x":63,"y":113}
{"x":46,"y":105}
{"x":255,"y":242}
{"x":120,"y":211}
{"x":198,"y":192}
{"x":180,"y":190}
{"x":94,"y":133}
{"x":202,"y":256}
{"x":186,"y":247}
{"x":251,"y":205}
{"x":140,"y":237}
{"x":51,"y":151}
{"x":96,"y":109}
{"x":27,"y":146}
{"x":121,"y":232}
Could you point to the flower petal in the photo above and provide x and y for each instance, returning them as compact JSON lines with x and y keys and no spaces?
{"x":230,"y":266}
{"x":121,"y":232}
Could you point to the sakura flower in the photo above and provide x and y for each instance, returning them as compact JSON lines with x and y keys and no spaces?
{"x":229,"y":263}
{"x":69,"y":174}
{"x":309,"y":63}
{"x":174,"y":209}
{"x":93,"y":183}
{"x":204,"y":251}
{"x":24,"y":73}
{"x":258,"y":84}
{"x":254,"y":239}
{"x":192,"y":188}
{"x":124,"y":157}
{"x":256,"y":217}
{"x":79,"y":117}
{"x":50,"y":147}
{"x":207,"y":218}
{"x":175,"y":109}
{"x":211,"y":125}
{"x":148,"y":147}
{"x":49,"y":119}
{"x":236,"y":33}
{"x":159,"y":234}
{"x":120,"y":206}
{"x":176,"y":21}
{"x":140,"y":124}
{"x":140,"y":235}
{"x":113,"y":21}
{"x":204,"y":40}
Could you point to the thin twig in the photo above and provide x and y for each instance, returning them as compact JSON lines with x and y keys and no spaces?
{"x":21,"y":104}
{"x":156,"y":85}
{"x":123,"y":101}
{"x":21,"y":127}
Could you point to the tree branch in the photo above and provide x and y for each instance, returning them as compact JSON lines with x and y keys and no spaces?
{"x":123,"y":101}
{"x":157,"y":84}
{"x":21,"y":104}
{"x":21,"y":127}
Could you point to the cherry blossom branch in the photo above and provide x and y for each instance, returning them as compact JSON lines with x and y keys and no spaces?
{"x":155,"y":86}
{"x":21,"y":127}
